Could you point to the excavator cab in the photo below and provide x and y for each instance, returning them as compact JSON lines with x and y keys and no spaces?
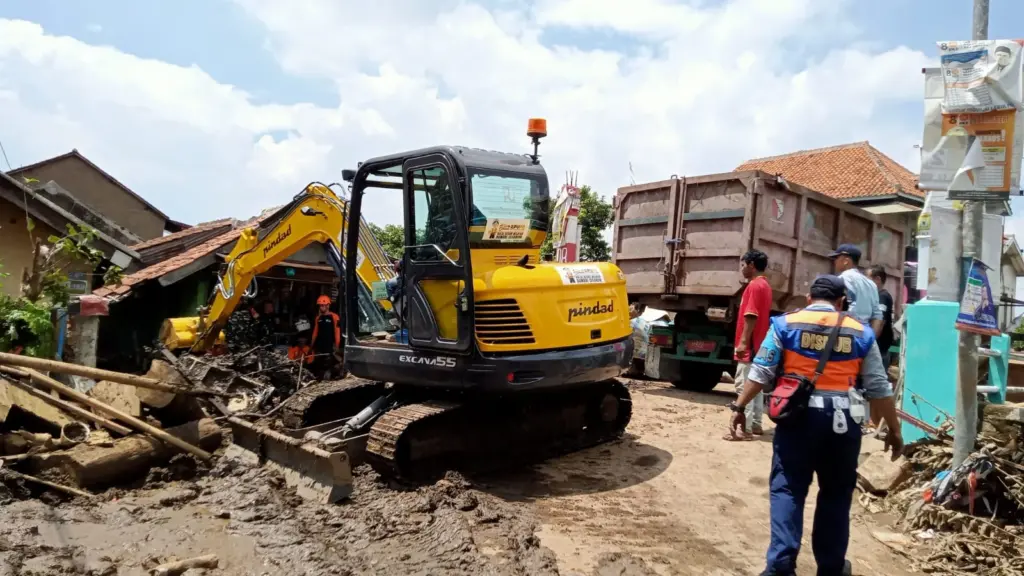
{"x":479,"y":311}
{"x":436,"y":271}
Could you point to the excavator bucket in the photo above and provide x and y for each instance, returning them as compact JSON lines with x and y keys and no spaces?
{"x":315,"y":473}
{"x":177,"y":333}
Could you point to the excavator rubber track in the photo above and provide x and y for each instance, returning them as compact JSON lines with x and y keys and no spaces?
{"x":329,"y":400}
{"x":420,"y":440}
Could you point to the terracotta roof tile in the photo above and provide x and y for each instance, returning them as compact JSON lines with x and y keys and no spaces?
{"x":855,"y":170}
{"x":181,"y":260}
{"x":198,"y":228}
{"x":167,"y":266}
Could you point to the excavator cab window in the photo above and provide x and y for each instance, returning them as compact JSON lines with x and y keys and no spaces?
{"x":434,"y":212}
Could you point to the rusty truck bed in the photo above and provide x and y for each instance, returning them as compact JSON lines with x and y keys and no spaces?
{"x":683,"y":237}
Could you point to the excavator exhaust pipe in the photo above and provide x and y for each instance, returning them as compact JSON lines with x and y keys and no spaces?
{"x":315,"y":473}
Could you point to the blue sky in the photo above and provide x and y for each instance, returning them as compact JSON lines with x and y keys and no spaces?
{"x":295,"y":92}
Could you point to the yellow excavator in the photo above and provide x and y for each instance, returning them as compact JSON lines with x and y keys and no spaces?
{"x":496,"y":356}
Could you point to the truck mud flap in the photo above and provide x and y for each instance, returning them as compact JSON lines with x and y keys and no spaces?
{"x":316,"y":474}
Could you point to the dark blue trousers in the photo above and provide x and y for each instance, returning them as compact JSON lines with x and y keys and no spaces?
{"x":805,"y":447}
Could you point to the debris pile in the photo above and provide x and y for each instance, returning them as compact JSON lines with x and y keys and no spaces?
{"x":258,"y":379}
{"x":969,"y":518}
{"x":57,"y":437}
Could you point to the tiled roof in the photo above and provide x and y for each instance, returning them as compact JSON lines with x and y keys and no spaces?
{"x":185,"y":258}
{"x":849,"y":171}
{"x":167,"y":266}
{"x":198,"y":228}
{"x":76,"y":154}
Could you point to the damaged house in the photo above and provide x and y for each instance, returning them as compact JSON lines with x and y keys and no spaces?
{"x":179,"y":274}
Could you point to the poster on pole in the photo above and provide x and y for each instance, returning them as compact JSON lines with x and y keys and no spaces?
{"x":981,"y":75}
{"x":977,"y":309}
{"x":974,"y":128}
{"x":981,"y":147}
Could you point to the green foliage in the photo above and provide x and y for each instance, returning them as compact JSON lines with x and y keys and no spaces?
{"x":25,"y":322}
{"x":75,"y":246}
{"x":595,"y":217}
{"x":391,"y":237}
{"x":27,"y":325}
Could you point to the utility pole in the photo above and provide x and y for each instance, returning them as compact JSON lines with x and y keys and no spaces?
{"x":965,"y":433}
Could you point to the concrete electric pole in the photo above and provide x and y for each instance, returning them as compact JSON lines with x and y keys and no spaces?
{"x":965,"y":432}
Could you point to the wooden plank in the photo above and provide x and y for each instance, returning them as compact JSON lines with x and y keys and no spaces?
{"x":69,"y":408}
{"x":12,"y":396}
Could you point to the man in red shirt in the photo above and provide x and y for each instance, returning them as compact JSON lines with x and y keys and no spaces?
{"x":751,"y":328}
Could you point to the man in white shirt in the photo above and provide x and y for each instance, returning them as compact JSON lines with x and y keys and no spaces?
{"x":861,"y":292}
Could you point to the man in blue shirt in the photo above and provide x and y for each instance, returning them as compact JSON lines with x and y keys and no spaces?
{"x":861,"y":292}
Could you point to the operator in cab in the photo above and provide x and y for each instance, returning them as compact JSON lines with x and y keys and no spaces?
{"x":326,"y":336}
{"x":810,"y":363}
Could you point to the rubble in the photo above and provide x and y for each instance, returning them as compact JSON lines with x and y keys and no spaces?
{"x":880,"y":475}
{"x":181,"y":566}
{"x":13,"y":399}
{"x":125,"y":459}
{"x":968,"y":520}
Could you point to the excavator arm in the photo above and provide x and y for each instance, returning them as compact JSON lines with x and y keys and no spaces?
{"x":315,"y":215}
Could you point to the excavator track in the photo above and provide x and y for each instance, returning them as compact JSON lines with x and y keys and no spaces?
{"x":329,"y":400}
{"x":420,"y":440}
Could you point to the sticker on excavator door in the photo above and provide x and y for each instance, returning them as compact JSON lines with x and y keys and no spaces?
{"x":507,"y":229}
{"x":580,"y":274}
{"x":436,"y":361}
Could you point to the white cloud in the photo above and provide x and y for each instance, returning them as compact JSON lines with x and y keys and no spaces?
{"x":94,"y":28}
{"x":697,"y":89}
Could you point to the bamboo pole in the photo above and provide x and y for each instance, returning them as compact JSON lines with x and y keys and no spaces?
{"x":48,"y":484}
{"x":51,"y":384}
{"x":64,"y":404}
{"x":45,"y":365}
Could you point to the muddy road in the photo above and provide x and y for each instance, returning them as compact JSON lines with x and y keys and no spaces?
{"x":669,"y":498}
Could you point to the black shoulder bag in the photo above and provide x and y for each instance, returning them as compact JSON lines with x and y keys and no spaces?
{"x":792,"y":392}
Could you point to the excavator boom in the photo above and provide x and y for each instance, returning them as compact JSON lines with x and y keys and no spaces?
{"x":316,"y":215}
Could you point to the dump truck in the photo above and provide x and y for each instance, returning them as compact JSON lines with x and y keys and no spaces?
{"x":679,"y":242}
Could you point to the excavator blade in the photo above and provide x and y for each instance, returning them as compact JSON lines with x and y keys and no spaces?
{"x":315,"y":473}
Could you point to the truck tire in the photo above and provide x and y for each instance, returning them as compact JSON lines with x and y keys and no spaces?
{"x":698,"y":377}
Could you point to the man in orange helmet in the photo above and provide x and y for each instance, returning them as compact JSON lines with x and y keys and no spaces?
{"x":326,"y":335}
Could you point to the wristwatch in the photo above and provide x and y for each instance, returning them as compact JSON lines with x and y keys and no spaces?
{"x":735,"y":407}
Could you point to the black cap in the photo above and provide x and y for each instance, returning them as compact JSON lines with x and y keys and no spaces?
{"x":846,"y":250}
{"x":828,"y":287}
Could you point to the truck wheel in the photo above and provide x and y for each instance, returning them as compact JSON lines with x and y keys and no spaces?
{"x":699,"y":377}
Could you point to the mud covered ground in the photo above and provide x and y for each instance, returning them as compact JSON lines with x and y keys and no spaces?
{"x":669,"y":498}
